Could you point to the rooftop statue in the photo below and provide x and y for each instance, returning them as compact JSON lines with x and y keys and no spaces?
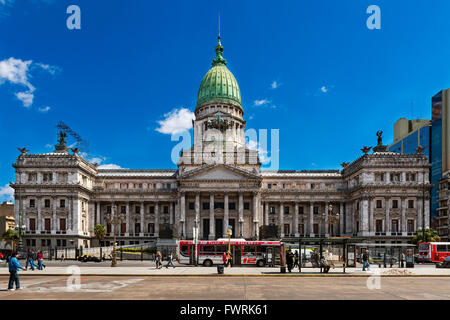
{"x":366,"y":149}
{"x":380,"y":137}
{"x":23,"y":150}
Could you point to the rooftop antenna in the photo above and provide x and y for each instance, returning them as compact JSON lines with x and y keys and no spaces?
{"x":219,"y":25}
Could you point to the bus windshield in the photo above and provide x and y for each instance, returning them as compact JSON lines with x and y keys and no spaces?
{"x":424,"y":247}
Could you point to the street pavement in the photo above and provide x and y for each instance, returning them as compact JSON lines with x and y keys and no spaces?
{"x":147,"y":268}
{"x":229,"y":288}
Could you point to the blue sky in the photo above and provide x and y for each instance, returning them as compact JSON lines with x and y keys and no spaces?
{"x":134,"y":63}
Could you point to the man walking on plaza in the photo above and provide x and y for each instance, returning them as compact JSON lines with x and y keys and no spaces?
{"x":289,"y":260}
{"x":402,"y":260}
{"x":30,"y":260}
{"x":170,"y":262}
{"x":14,"y":267}
{"x":365,"y":259}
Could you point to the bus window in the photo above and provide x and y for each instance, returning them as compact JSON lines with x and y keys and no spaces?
{"x":208,"y":249}
{"x":424,"y":247}
{"x":441,"y":248}
{"x":221,"y":249}
{"x":249,"y":249}
{"x":184,"y":249}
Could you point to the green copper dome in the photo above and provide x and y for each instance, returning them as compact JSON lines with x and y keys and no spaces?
{"x":219,"y":84}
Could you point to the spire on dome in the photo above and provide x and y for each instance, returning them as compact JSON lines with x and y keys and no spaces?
{"x":219,"y":50}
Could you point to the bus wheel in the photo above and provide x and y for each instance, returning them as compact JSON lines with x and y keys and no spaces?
{"x":207,"y":263}
{"x":260,"y":263}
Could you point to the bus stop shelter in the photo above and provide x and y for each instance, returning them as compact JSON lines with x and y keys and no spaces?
{"x":338,"y":251}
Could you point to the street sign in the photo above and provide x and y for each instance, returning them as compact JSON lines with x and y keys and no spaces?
{"x":230,"y":230}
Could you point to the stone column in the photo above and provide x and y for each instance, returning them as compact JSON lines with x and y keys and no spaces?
{"x":225,"y":215}
{"x":212,"y":229}
{"x":99,"y":221}
{"x":427,"y":213}
{"x":197,"y":210}
{"x":419,"y":214}
{"x":183,"y":215}
{"x":281,"y":219}
{"x":371,"y":223}
{"x":255,"y":216}
{"x":39,"y":218}
{"x":348,"y":218}
{"x":387,"y":221}
{"x":142,"y":214}
{"x":327,"y":224}
{"x":241,"y":215}
{"x":157,"y":219}
{"x":266,"y":213}
{"x":127,"y":222}
{"x":171,"y":209}
{"x":296,"y":220}
{"x":311,"y":219}
{"x":364,"y":217}
{"x":403,"y":223}
{"x":53,"y":224}
{"x":342,"y":216}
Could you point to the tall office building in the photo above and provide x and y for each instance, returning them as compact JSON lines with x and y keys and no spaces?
{"x":410,"y":134}
{"x":439,"y":145}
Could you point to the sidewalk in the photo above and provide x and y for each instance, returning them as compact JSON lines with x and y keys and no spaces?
{"x":148,"y":270}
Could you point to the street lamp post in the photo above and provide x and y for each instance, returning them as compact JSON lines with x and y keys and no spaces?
{"x":115,"y":220}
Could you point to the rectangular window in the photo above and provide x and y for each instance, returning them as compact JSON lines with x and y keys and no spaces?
{"x":62,"y":203}
{"x":395,"y":225}
{"x":47,"y":225}
{"x":123,"y":228}
{"x":191,"y":206}
{"x":411,"y":204}
{"x":379,"y":204}
{"x":379,"y":177}
{"x":151,"y":228}
{"x":394,"y":204}
{"x":47,"y":177}
{"x":32,"y":177}
{"x":218,"y":205}
{"x":208,"y":250}
{"x":137,"y":228}
{"x":441,"y":248}
{"x":246,"y":206}
{"x":301,"y":210}
{"x":232,"y":206}
{"x":62,"y":224}
{"x":166,"y":209}
{"x":379,"y":226}
{"x":108,"y":209}
{"x":205,"y":205}
{"x":395,"y":177}
{"x":32,"y":224}
{"x":47,"y":203}
{"x":152,"y":209}
{"x":123,"y":209}
{"x":272,"y":210}
{"x":316,"y":210}
{"x":316,"y":228}
{"x":32,"y":203}
{"x":137,"y":209}
{"x":108,"y":228}
{"x":269,"y":186}
{"x":410,"y":225}
{"x":286,"y":210}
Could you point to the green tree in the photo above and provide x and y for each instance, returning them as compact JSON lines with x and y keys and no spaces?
{"x":99,"y":231}
{"x":11,"y":236}
{"x":431,"y":235}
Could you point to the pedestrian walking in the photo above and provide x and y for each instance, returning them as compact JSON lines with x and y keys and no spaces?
{"x":30,"y":260}
{"x":224,"y":259}
{"x":289,"y":260}
{"x":170,"y":261}
{"x":296,"y":259}
{"x":40,"y":258}
{"x":62,"y":257}
{"x":158,"y":260}
{"x":14,"y":266}
{"x":402,"y":260}
{"x":365,"y":259}
{"x":229,"y":259}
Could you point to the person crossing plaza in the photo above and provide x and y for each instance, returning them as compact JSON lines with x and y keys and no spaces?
{"x":14,"y":266}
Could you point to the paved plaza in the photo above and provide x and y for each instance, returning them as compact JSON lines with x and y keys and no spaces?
{"x":230,"y":288}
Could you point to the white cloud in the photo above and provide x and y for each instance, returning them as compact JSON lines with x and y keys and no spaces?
{"x":26,"y":98}
{"x":324,"y":89}
{"x":17,"y":72}
{"x":176,"y":121}
{"x":275,"y":85}
{"x":44,"y":109}
{"x":7,"y":191}
{"x":262,"y":153}
{"x":261,"y":102}
{"x":48,"y":145}
{"x":109,"y":166}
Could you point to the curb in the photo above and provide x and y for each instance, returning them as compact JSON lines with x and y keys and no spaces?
{"x":238,"y":275}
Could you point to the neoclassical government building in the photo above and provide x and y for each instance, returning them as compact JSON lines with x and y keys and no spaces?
{"x":60,"y":197}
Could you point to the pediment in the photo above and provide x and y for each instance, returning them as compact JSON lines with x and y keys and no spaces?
{"x":219,"y":172}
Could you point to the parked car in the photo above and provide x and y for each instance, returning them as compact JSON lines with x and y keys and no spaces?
{"x":89,"y":258}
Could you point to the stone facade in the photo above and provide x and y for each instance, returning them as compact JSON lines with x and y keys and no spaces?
{"x":60,"y":197}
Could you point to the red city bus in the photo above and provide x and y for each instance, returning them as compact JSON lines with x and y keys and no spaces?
{"x":433,"y":251}
{"x":243,"y":252}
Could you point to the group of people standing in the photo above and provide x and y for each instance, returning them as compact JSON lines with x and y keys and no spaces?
{"x":14,"y":266}
{"x":227,"y":259}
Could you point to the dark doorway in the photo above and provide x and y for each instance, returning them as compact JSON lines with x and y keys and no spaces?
{"x":205,"y":229}
{"x":233,"y":226}
{"x":219,"y":228}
